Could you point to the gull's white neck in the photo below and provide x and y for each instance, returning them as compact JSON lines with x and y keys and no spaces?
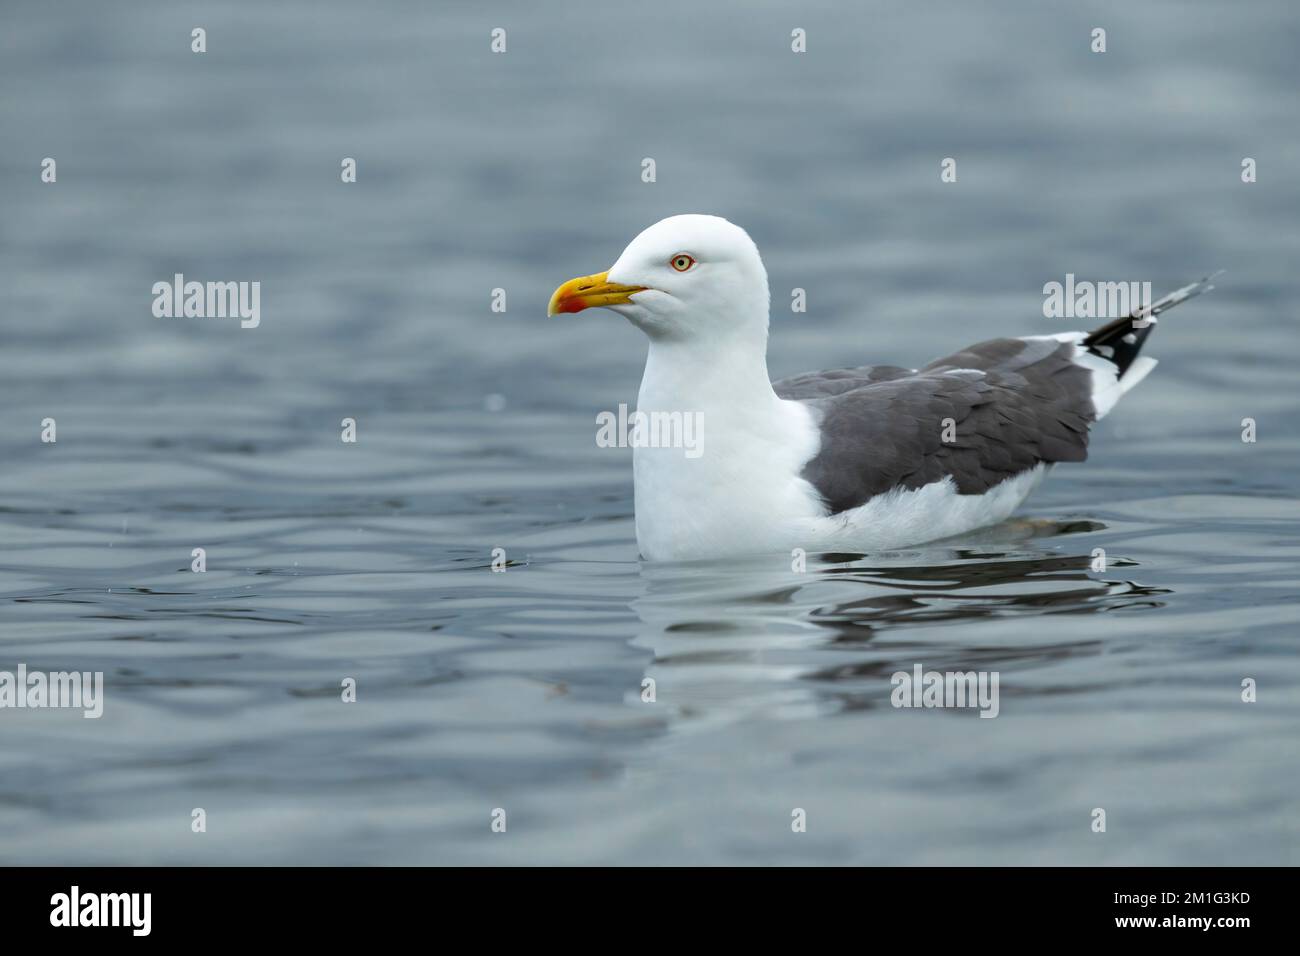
{"x":723,"y":378}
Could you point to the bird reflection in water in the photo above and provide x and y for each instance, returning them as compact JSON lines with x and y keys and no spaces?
{"x":732,"y":638}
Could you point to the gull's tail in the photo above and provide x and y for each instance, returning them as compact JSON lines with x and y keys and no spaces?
{"x":1121,"y":341}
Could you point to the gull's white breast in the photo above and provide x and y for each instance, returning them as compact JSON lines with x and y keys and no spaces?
{"x":743,"y":493}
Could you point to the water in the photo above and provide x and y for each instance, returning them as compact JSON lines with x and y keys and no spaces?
{"x":521,"y":690}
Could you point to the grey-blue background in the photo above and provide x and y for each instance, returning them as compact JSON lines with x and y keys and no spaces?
{"x":520,"y":690}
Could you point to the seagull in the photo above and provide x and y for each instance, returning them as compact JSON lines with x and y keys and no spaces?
{"x":871,"y":458}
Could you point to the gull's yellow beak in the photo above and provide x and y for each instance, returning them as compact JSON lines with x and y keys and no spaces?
{"x":587,"y":292}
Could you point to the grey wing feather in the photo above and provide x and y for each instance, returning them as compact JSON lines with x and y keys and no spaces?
{"x":1013,"y":403}
{"x":836,"y":381}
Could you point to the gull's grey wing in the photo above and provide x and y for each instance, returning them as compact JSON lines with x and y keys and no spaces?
{"x":836,"y":381}
{"x":1014,"y":403}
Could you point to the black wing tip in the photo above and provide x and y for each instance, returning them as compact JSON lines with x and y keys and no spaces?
{"x":1120,"y":341}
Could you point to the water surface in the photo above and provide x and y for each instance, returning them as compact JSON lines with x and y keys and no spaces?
{"x":521,"y":690}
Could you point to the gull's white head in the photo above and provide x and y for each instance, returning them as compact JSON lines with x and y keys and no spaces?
{"x":685,"y":277}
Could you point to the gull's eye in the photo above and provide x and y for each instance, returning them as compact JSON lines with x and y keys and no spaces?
{"x":681,"y":262}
